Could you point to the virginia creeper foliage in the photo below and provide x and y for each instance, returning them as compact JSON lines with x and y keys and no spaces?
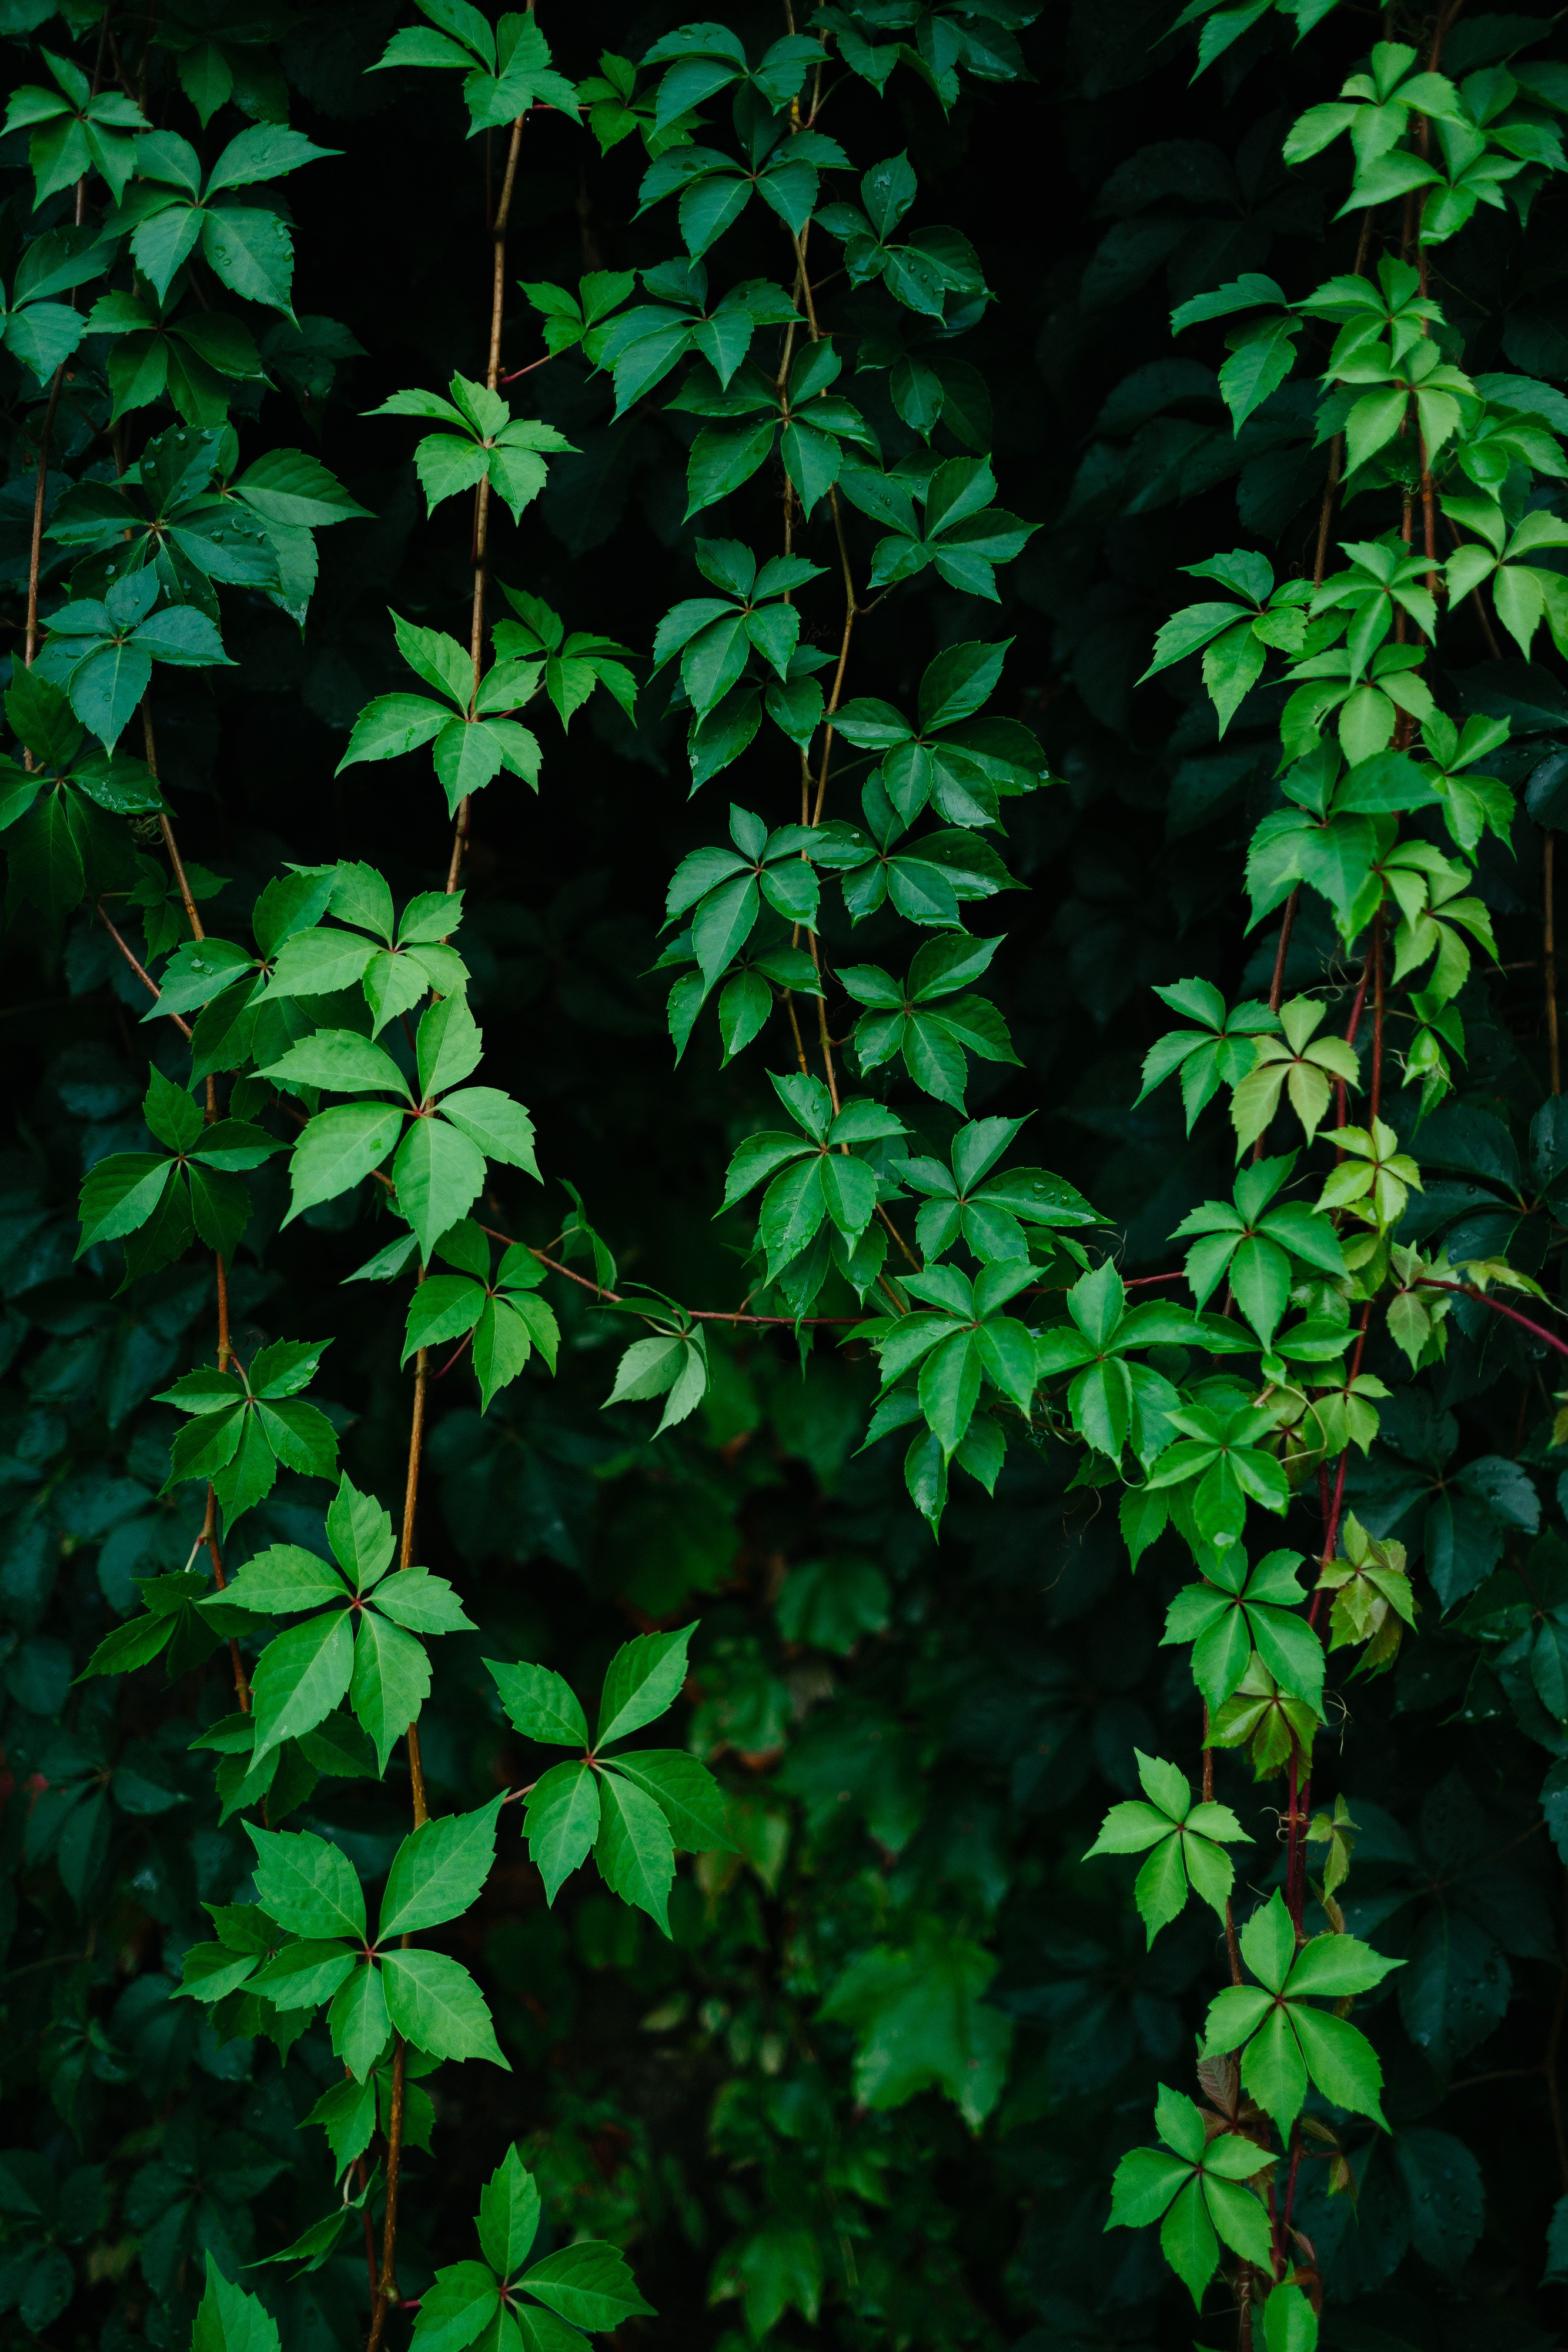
{"x":782,"y":973}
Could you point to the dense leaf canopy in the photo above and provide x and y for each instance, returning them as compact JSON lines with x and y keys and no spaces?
{"x":782,"y":1428}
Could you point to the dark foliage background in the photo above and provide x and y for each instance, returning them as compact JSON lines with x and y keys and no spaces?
{"x":921,"y":1738}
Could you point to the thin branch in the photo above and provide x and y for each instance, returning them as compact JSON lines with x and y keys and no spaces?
{"x":482,"y":495}
{"x":145,"y":976}
{"x":1468,"y":1291}
{"x":209,"y":1536}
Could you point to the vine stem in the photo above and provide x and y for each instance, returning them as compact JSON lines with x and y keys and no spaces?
{"x":385,"y":2296}
{"x":386,"y":2293}
{"x":35,"y":559}
{"x":209,"y":1536}
{"x":615,"y":1298}
{"x":1469,"y":1291}
{"x":1357,"y":1008}
{"x":1378,"y":1009}
{"x":406,"y":1550}
{"x":1549,"y":958}
{"x":1289,"y":2191}
{"x":482,"y":495}
{"x":1232,"y":1947}
{"x":220,"y":1270}
{"x":1288,"y":920}
{"x":803,"y":294}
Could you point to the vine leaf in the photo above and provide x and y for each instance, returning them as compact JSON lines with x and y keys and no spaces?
{"x":1285,"y":2042}
{"x":1199,"y":2189}
{"x":1187,"y":1844}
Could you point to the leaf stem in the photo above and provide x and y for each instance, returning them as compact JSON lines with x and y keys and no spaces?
{"x":35,"y":558}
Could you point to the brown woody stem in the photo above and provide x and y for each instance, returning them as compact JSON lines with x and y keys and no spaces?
{"x":482,"y":497}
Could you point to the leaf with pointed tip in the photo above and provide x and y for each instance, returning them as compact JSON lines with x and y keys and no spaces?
{"x":685,"y":1792}
{"x":562,"y":1823}
{"x":508,"y":2215}
{"x":644,"y":1679}
{"x":434,"y":2004}
{"x":635,"y":1849}
{"x":465,"y":2296}
{"x":391,"y":1681}
{"x":588,"y":2284}
{"x":358,"y":2019}
{"x":300,"y":1677}
{"x":539,"y":1704}
{"x":439,"y":1870}
{"x":306,"y":1884}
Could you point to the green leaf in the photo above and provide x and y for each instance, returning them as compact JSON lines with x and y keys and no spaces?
{"x":120,"y":1194}
{"x":1274,"y":2071}
{"x":503,"y":1338}
{"x":129,"y":1646}
{"x":305,"y":1884}
{"x":424,"y":1604}
{"x":1146,"y":2180}
{"x":644,"y":1680}
{"x":439,"y":1871}
{"x":1341,"y":2061}
{"x":508,"y":2215}
{"x":685,"y":1792}
{"x":1188,"y":2241}
{"x":339,"y":1061}
{"x":634,"y":1851}
{"x":435,"y":2004}
{"x":540,"y":1705}
{"x":464,"y":2296}
{"x":358,"y":2019}
{"x":588,"y":2284}
{"x":303,"y":1975}
{"x":921,"y":2022}
{"x":359,"y":1532}
{"x":229,"y":2320}
{"x":500,"y":1127}
{"x":562,"y":1823}
{"x":391,"y":1681}
{"x":347,"y":2113}
{"x":1290,"y":2323}
{"x":338,"y":1150}
{"x":300,"y":1677}
{"x":439,"y":1174}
